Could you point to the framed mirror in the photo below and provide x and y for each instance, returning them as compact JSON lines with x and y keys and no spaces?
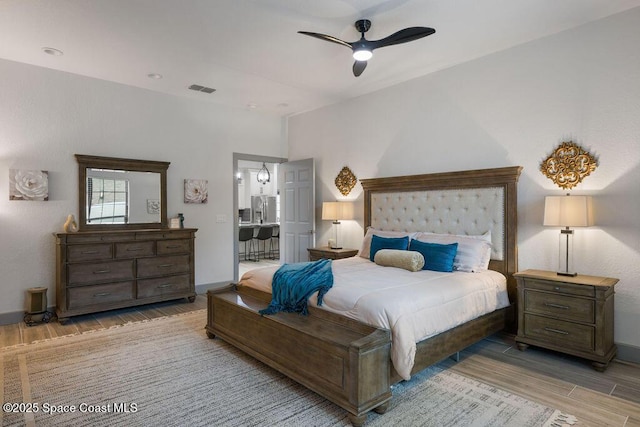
{"x":119,"y":193}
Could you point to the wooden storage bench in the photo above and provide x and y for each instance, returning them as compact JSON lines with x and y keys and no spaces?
{"x":343,"y":360}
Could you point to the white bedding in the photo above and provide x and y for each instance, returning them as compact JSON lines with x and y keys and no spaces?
{"x":412,"y":305}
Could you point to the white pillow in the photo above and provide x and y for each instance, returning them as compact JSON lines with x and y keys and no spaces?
{"x":474,"y":252}
{"x":365,"y":249}
{"x":409,"y":260}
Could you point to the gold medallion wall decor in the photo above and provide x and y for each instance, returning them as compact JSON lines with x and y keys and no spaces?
{"x":568,"y":165}
{"x":345,"y":181}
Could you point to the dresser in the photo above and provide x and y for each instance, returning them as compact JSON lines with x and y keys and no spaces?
{"x":104,"y":270}
{"x":573,"y":315}
{"x":325,"y":252}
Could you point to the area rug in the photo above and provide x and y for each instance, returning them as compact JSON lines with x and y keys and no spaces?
{"x":166,"y":372}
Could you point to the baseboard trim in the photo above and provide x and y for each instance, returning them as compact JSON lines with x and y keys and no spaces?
{"x":18,"y":316}
{"x":202,"y":289}
{"x":628,"y":353}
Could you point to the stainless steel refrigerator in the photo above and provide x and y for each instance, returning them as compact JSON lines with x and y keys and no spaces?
{"x":264,"y":209}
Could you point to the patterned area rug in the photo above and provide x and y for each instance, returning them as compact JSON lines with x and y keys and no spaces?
{"x":167,"y":372}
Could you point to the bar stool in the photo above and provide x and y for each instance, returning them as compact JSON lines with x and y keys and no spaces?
{"x":246,"y":235}
{"x":275,"y":238}
{"x":264,"y":234}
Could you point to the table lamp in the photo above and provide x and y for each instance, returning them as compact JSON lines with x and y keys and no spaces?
{"x":567,"y":211}
{"x":336,"y":211}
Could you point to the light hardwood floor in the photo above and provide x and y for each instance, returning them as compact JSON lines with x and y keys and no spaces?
{"x":611,"y":398}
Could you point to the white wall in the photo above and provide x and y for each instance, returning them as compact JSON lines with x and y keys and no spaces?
{"x":510,"y":108}
{"x":48,"y":116}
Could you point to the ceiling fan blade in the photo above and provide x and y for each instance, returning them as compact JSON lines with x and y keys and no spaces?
{"x":327,"y":38}
{"x":358,"y":67}
{"x":402,"y":36}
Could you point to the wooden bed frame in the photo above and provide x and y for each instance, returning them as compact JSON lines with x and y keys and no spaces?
{"x":346,"y":361}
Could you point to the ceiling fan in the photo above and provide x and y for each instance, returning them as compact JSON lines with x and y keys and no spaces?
{"x":363,"y":48}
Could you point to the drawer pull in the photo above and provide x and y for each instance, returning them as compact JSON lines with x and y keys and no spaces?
{"x":563,"y":307}
{"x":166,"y":285}
{"x":165,"y":265}
{"x":133,"y":249}
{"x":102,"y":294}
{"x":173,"y":247}
{"x":556,"y":331}
{"x":89,"y":252}
{"x":102,"y":271}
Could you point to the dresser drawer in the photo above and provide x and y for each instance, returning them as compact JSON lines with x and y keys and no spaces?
{"x":80,"y":274}
{"x":134,"y":249}
{"x":563,"y":334}
{"x":167,"y":235}
{"x":84,"y":296}
{"x":77,"y":253}
{"x":564,"y":288}
{"x":163,"y":286}
{"x":162,"y":266}
{"x":95,"y":238}
{"x":169,"y":247}
{"x":562,"y":306}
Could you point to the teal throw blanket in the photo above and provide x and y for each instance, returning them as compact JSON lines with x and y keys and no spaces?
{"x":293,"y":284}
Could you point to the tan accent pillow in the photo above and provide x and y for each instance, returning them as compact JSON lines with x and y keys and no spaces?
{"x":409,"y":260}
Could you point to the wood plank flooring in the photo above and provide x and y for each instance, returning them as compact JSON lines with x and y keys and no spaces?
{"x":20,"y":333}
{"x":611,"y":398}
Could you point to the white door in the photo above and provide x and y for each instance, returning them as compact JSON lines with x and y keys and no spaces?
{"x":297,"y":209}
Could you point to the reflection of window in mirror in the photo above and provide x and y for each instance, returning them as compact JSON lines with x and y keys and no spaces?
{"x":109,"y":201}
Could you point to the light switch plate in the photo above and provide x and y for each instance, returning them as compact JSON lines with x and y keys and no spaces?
{"x":221,"y":218}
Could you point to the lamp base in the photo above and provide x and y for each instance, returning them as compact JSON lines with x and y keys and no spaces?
{"x":565,"y":273}
{"x":335,"y":247}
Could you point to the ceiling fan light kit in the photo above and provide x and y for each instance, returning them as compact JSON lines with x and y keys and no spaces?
{"x":363,"y":48}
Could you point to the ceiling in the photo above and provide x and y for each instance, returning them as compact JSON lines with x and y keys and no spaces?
{"x":250,"y":52}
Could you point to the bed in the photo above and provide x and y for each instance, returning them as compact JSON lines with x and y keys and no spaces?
{"x":349,"y":361}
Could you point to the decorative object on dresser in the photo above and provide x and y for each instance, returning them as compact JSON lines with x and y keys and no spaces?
{"x":103,"y":270}
{"x":325,"y":252}
{"x":572,"y":315}
{"x":70,"y":225}
{"x":568,"y":165}
{"x":567,"y":211}
{"x":345,"y":181}
{"x":336,"y":211}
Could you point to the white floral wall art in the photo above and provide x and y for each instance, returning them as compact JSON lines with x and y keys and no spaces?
{"x":195,"y":191}
{"x":153,"y":206}
{"x":28,"y":185}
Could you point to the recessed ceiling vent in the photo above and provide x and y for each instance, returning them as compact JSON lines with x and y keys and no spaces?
{"x":204,"y":89}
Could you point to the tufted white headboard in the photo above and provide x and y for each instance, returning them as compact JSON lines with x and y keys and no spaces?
{"x":466,"y":202}
{"x":472,"y":211}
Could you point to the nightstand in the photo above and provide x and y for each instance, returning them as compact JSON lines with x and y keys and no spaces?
{"x":327,"y":253}
{"x":572,"y":315}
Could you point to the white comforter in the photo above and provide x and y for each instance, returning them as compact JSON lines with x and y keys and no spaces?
{"x":412,"y":305}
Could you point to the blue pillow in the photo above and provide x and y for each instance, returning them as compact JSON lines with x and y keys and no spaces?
{"x":378,"y":243}
{"x":437,"y":257}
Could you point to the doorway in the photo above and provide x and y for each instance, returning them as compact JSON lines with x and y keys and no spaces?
{"x":254,"y":203}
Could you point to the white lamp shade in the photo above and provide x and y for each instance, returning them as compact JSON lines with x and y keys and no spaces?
{"x":335,"y":211}
{"x":568,"y":211}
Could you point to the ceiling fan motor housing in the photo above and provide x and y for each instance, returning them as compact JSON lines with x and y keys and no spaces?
{"x":363,"y":25}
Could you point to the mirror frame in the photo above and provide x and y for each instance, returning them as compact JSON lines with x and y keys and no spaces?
{"x":85,"y":161}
